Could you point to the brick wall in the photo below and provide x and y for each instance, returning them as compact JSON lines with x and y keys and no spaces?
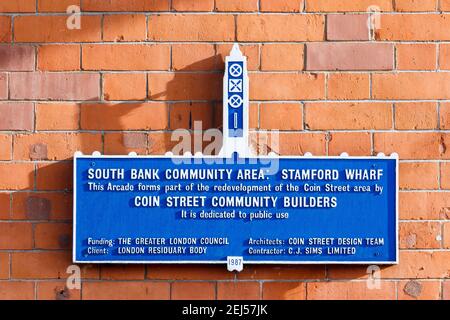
{"x":138,"y":69}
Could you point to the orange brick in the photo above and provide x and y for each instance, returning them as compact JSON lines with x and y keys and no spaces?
{"x":5,"y":206}
{"x":125,"y":86}
{"x":445,"y":175}
{"x":54,"y":176}
{"x":46,"y":265}
{"x":126,"y":290}
{"x":444,"y":56}
{"x":281,"y":116}
{"x":16,"y":235}
{"x":16,"y":290}
{"x":415,"y":5}
{"x":353,"y":143}
{"x":416,"y":56}
{"x":160,"y":142}
{"x":56,"y":290}
{"x":193,"y":291}
{"x":54,"y":146}
{"x":192,"y":5}
{"x":323,"y":116}
{"x":348,"y":86}
{"x":54,"y":29}
{"x":294,"y":272}
{"x":250,"y":51}
{"x":237,"y":5}
{"x":5,"y":29}
{"x":413,"y":145}
{"x":125,"y":5}
{"x":274,"y":27}
{"x":446,"y":235}
{"x":424,"y":205}
{"x":23,"y":177}
{"x":56,"y":5}
{"x":418,"y":290}
{"x":184,"y":115}
{"x":188,"y":272}
{"x":126,"y":57}
{"x":444,"y":5}
{"x":53,"y":236}
{"x":350,"y":291}
{"x":284,"y":291}
{"x":346,"y":5}
{"x":125,"y":116}
{"x":126,"y":142}
{"x":18,"y":6}
{"x":185,"y":86}
{"x":282,"y":57}
{"x":191,"y":27}
{"x":238,"y":291}
{"x":188,"y":57}
{"x":413,"y":27}
{"x":419,"y":175}
{"x":415,"y":116}
{"x":420,"y":235}
{"x":281,"y":5}
{"x":124,"y":27}
{"x":122,"y":272}
{"x":295,"y":143}
{"x":5,"y":147}
{"x":57,"y":116}
{"x":41,"y":206}
{"x":286,"y":86}
{"x":444,"y":111}
{"x":4,"y":265}
{"x":253,"y":116}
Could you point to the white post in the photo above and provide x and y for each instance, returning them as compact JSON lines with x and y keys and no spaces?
{"x":235,"y":105}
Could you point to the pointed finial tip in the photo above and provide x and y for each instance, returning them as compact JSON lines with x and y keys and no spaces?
{"x":235,"y":51}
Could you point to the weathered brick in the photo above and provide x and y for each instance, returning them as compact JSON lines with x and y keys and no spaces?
{"x":413,"y":145}
{"x":16,"y":235}
{"x":188,"y":272}
{"x":5,"y":29}
{"x":414,"y":27}
{"x":3,"y":86}
{"x":282,"y":272}
{"x":4,"y":265}
{"x":444,"y":5}
{"x":446,"y":235}
{"x":416,"y":56}
{"x":125,"y":5}
{"x":445,"y":175}
{"x":411,"y":85}
{"x":125,"y":57}
{"x":40,"y":28}
{"x":293,"y":143}
{"x":126,"y":116}
{"x":54,"y":146}
{"x":191,"y":27}
{"x":54,"y":176}
{"x":236,"y":5}
{"x":41,"y":206}
{"x":444,"y":56}
{"x":17,"y":290}
{"x":238,"y":291}
{"x":59,"y":57}
{"x":275,"y":27}
{"x":348,"y":86}
{"x":56,"y":5}
{"x":346,"y":5}
{"x":420,"y":235}
{"x":282,"y":116}
{"x":444,"y":112}
{"x":5,"y":206}
{"x":282,"y":57}
{"x":53,"y":236}
{"x":125,"y":86}
{"x":54,"y":86}
{"x":349,"y":56}
{"x":185,"y":86}
{"x":5,"y":147}
{"x":108,"y":290}
{"x":419,"y":175}
{"x":16,"y":58}
{"x":16,"y":116}
{"x":184,"y":115}
{"x":347,"y":27}
{"x":446,"y":290}
{"x":353,"y":143}
{"x":124,"y":143}
{"x":251,"y":51}
{"x":286,"y":86}
{"x":192,"y":5}
{"x":340,"y":116}
{"x":281,"y":5}
{"x":57,"y":116}
{"x":193,"y":291}
{"x":56,"y":290}
{"x":23,"y":177}
{"x":124,"y":27}
{"x":415,"y":5}
{"x":189,"y":57}
{"x":284,"y":291}
{"x":418,"y":290}
{"x":18,"y":6}
{"x":424,"y":205}
{"x":350,"y":291}
{"x":122,"y":272}
{"x":415,"y":115}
